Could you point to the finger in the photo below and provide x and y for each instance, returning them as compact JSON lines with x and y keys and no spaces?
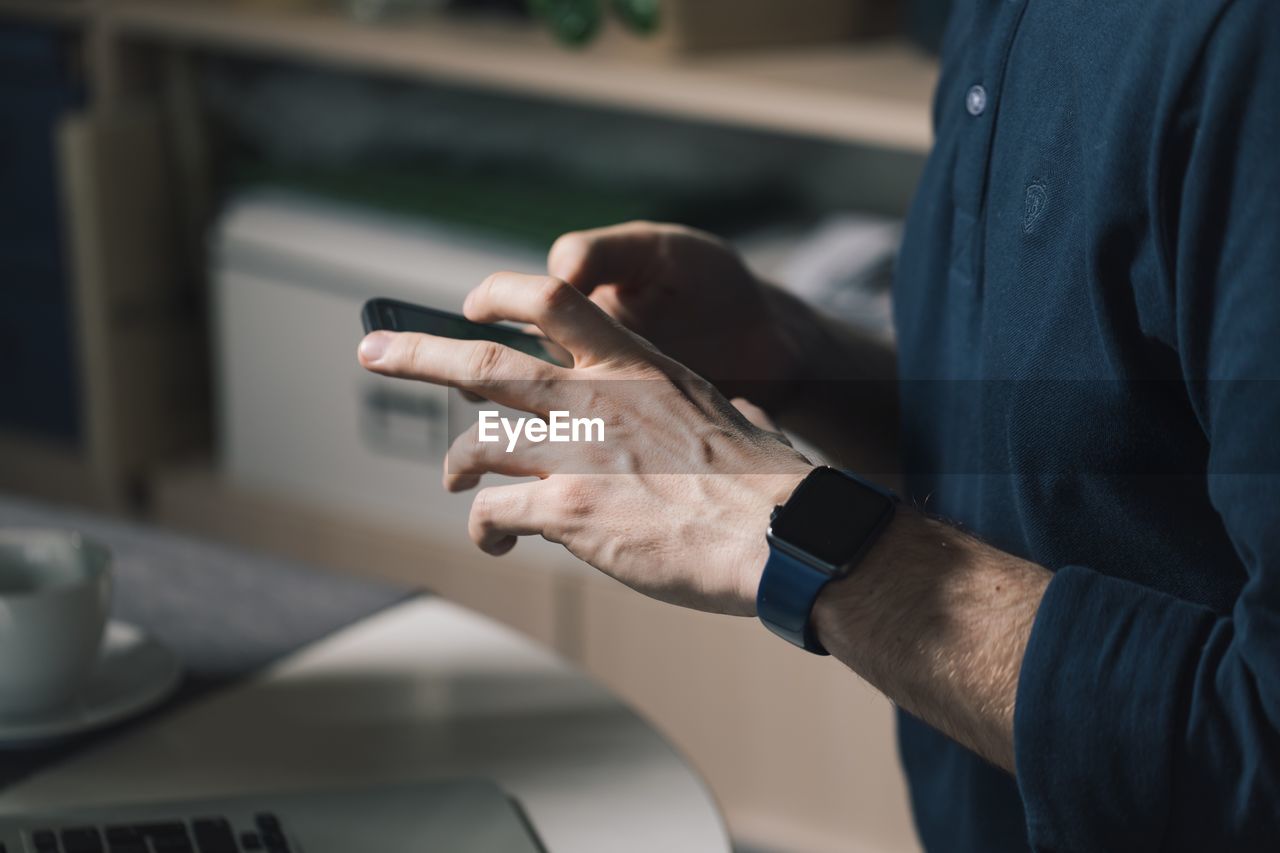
{"x":469,"y":459}
{"x":562,"y":313}
{"x":484,"y":368}
{"x":617,"y":254}
{"x":759,"y":417}
{"x":755,"y":414}
{"x":500,"y":514}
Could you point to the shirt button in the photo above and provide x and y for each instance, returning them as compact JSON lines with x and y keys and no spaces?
{"x":976,"y":101}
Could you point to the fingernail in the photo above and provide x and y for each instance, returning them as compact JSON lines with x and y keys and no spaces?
{"x":373,"y":347}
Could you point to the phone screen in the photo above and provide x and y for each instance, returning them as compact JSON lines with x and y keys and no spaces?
{"x":396,"y":316}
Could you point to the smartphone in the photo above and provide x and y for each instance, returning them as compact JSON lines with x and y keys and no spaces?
{"x":395,"y":316}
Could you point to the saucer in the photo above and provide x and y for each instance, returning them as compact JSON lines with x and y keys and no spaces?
{"x":135,"y":673}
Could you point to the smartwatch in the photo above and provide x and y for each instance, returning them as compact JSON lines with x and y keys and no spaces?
{"x":819,"y":535}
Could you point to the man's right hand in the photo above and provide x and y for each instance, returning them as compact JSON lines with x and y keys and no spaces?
{"x":692,"y":296}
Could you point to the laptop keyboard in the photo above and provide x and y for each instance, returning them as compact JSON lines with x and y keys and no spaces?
{"x":201,"y":835}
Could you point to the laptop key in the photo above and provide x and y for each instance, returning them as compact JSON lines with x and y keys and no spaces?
{"x":44,"y":839}
{"x":122,"y":834}
{"x":166,"y":829}
{"x":217,"y":845}
{"x":275,"y":842}
{"x":214,"y":835}
{"x":248,"y":840}
{"x":81,"y":840}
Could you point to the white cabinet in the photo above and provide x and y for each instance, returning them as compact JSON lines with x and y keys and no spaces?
{"x":297,"y":416}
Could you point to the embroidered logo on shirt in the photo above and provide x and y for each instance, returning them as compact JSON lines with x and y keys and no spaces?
{"x":1037,"y":200}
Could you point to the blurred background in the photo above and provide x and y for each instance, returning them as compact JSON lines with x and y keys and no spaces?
{"x":197,"y":196}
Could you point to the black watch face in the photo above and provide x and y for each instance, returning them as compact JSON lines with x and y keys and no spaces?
{"x":830,"y":517}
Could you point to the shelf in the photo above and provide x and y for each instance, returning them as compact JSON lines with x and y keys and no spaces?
{"x":874,"y":93}
{"x":45,"y":11}
{"x":46,"y":469}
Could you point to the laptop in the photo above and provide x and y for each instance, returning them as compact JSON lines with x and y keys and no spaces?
{"x":456,"y":816}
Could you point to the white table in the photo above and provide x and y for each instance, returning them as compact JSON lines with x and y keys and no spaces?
{"x":425,"y":689}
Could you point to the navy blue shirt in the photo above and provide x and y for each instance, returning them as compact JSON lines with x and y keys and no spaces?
{"x":1089,"y":321}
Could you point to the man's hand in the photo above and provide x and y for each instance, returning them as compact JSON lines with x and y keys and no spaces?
{"x":674,"y":502}
{"x":695,"y":300}
{"x":693,"y":297}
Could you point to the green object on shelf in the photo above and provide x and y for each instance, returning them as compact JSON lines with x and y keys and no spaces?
{"x":574,"y":22}
{"x":640,"y":16}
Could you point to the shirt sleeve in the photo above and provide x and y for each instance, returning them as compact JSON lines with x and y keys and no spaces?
{"x":1143,"y":721}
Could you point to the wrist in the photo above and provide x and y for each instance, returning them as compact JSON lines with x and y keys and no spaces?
{"x":939,"y":622}
{"x":916,"y":559}
{"x":771,"y":491}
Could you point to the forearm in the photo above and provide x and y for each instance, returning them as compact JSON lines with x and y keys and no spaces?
{"x":938,"y":622}
{"x":842,"y":393}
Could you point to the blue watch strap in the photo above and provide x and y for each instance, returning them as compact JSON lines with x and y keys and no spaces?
{"x":788,"y":589}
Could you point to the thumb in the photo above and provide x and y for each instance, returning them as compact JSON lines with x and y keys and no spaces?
{"x":613,"y":255}
{"x":759,"y":417}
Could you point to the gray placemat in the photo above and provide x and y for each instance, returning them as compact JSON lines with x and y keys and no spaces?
{"x":226,"y":612}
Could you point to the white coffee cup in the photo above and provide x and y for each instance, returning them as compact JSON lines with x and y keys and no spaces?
{"x":55,"y":597}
